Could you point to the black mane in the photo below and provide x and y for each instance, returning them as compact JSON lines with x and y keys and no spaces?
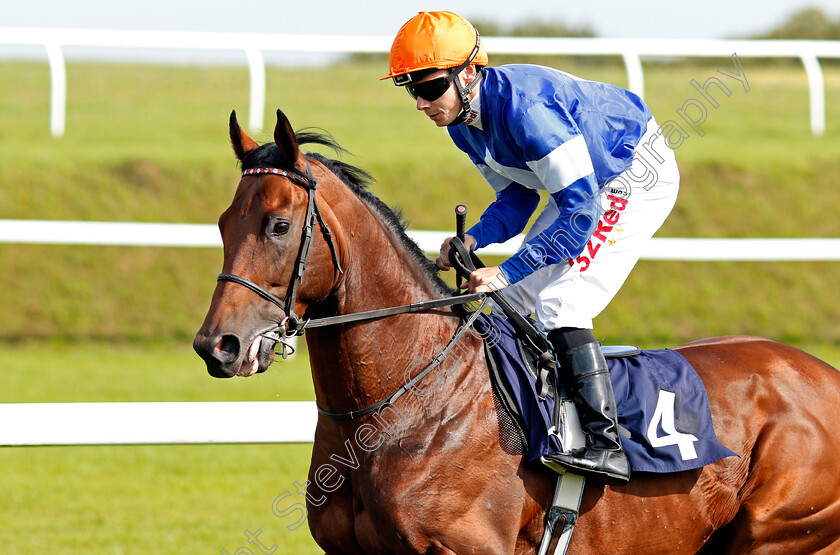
{"x":358,"y":180}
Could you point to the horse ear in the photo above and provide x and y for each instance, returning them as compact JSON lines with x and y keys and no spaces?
{"x":284,"y":137}
{"x":242,"y":143}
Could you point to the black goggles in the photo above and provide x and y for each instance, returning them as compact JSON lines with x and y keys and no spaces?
{"x":430,"y":90}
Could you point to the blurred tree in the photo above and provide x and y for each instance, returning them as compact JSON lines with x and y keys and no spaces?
{"x":487,"y":27}
{"x":532,"y":28}
{"x":808,"y":23}
{"x":527,"y":28}
{"x":537,"y":28}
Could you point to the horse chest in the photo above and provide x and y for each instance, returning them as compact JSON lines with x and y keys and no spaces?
{"x":405,"y":495}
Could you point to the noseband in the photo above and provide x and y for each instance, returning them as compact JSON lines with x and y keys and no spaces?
{"x":292,"y":323}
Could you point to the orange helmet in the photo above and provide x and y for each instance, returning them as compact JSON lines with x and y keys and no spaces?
{"x":434,"y":40}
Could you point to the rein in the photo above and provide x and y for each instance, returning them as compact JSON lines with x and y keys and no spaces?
{"x":292,"y":325}
{"x":281,"y":332}
{"x":420,"y":306}
{"x":437,"y":361}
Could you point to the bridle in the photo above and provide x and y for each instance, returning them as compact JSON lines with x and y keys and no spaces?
{"x":293,"y":325}
{"x":292,"y":322}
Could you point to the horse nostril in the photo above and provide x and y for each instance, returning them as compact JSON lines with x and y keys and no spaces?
{"x":219,"y":349}
{"x":226,"y":349}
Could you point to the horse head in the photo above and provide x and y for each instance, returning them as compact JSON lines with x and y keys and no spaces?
{"x":271,"y":243}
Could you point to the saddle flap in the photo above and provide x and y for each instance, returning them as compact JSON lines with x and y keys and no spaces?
{"x":661,"y":401}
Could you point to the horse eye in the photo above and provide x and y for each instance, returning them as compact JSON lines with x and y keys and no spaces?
{"x":280,"y":227}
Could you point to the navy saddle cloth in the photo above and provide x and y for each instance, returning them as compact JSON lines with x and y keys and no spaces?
{"x":662,"y":405}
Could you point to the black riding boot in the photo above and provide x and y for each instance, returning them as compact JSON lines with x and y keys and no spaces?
{"x":603,"y":456}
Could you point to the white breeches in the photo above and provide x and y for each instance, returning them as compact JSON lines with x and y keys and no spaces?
{"x":633,"y":207}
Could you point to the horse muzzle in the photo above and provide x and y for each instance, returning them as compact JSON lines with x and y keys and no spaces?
{"x":227,"y":355}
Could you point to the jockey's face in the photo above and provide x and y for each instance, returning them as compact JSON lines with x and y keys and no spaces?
{"x":445,"y":109}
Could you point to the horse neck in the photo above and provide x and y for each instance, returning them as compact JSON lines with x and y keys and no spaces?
{"x":356,"y":365}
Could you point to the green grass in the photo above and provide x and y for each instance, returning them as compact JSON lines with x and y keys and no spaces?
{"x":151,"y":499}
{"x":145,"y":499}
{"x":61,"y":372}
{"x":163,"y":499}
{"x":174,"y":499}
{"x":150,"y":144}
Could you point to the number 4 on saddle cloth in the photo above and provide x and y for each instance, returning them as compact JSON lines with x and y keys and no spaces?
{"x":663,"y":410}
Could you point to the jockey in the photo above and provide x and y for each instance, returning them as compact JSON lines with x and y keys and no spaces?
{"x":609,"y":177}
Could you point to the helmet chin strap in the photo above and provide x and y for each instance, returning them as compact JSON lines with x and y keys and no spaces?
{"x":464,"y":93}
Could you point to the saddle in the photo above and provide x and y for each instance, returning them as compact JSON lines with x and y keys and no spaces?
{"x":532,"y":364}
{"x":663,"y":410}
{"x":520,"y":360}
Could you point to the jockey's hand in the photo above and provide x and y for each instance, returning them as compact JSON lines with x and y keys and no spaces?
{"x":486,"y":280}
{"x":443,"y":260}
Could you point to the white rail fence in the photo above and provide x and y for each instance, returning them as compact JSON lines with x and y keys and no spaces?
{"x":47,"y":232}
{"x":271,"y":421}
{"x":33,"y":424}
{"x":632,"y":52}
{"x":292,"y":422}
{"x":157,"y":423}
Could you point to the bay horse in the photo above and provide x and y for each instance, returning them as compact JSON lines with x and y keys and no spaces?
{"x":433,"y":471}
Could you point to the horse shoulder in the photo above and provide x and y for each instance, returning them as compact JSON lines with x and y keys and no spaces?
{"x":437,"y":477}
